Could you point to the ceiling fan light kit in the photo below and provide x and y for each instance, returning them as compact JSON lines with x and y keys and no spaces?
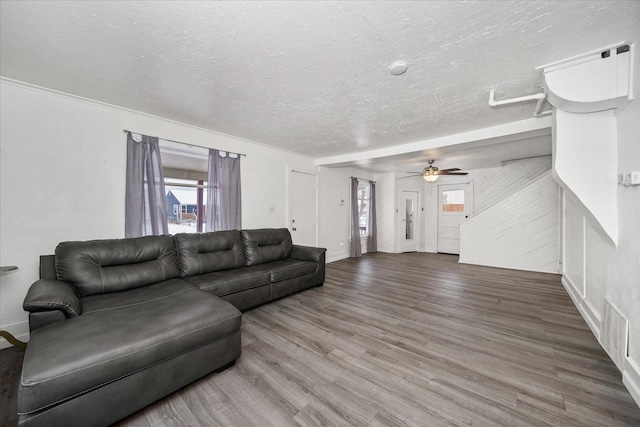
{"x":431,"y":173}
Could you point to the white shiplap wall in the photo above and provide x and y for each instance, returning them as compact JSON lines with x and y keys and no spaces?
{"x":520,"y":231}
{"x":490,"y":185}
{"x":493,"y":184}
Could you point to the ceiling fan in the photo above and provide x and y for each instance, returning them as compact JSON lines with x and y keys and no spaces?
{"x":431,"y":173}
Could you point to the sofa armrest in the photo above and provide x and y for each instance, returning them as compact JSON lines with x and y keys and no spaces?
{"x":307,"y":253}
{"x":49,"y":295}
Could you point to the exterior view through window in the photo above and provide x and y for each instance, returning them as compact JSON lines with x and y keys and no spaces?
{"x":453,"y":201}
{"x":185,"y":180}
{"x":363,"y":206}
{"x":186,"y":204}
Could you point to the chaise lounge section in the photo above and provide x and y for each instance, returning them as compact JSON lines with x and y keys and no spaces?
{"x":118,"y":324}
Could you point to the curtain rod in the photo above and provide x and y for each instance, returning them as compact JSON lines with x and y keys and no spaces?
{"x":185,"y":143}
{"x":364,"y":179}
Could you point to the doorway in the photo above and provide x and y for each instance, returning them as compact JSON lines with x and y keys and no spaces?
{"x":408,"y":221}
{"x":453,"y":207}
{"x":303,"y":208}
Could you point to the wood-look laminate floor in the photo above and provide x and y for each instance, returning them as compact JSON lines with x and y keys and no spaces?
{"x":411,"y":339}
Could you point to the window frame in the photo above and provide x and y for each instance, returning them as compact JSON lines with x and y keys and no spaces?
{"x":365,"y":186}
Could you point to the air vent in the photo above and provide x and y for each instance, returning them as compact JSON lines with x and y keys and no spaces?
{"x":614,"y":334}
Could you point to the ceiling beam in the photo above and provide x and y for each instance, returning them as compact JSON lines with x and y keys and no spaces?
{"x":486,"y":136}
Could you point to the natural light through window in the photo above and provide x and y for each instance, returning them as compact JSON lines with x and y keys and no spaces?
{"x":453,"y":201}
{"x":186,"y":204}
{"x":363,"y":207}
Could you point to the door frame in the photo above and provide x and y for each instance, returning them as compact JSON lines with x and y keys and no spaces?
{"x":289,"y":197}
{"x":417,"y":229}
{"x":468,"y":190}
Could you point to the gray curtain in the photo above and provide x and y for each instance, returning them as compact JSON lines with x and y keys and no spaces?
{"x":356,"y":249}
{"x":224,"y":204}
{"x":145,"y":199}
{"x":372,"y":240}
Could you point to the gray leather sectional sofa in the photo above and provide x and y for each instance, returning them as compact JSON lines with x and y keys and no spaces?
{"x":118,"y":324}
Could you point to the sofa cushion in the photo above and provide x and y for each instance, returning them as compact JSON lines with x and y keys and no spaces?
{"x":266,"y":245}
{"x":101,"y":266}
{"x":228,"y":282}
{"x":208,"y":252}
{"x":290,"y":268}
{"x":117,"y":338}
{"x":133,"y":297}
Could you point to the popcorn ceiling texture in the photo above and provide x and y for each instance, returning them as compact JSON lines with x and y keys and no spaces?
{"x":310,"y":77}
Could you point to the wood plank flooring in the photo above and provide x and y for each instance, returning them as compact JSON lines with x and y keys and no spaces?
{"x":410,"y":339}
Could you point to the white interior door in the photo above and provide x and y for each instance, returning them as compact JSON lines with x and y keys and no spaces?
{"x":453,"y":208}
{"x":303,"y":209}
{"x":408,"y":221}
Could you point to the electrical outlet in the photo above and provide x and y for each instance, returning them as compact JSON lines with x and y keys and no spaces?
{"x":627,"y":178}
{"x":635,"y":178}
{"x":621,"y":178}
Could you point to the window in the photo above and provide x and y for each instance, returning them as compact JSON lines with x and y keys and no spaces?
{"x":185,"y":199}
{"x":185,"y":178}
{"x":363,"y":206}
{"x":453,"y":201}
{"x":185,"y":168}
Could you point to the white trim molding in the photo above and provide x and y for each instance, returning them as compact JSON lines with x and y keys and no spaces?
{"x":631,"y":378}
{"x":337,"y":256}
{"x":590,"y":315}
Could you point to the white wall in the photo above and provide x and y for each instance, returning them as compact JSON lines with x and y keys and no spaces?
{"x":335,"y":218}
{"x":62,"y":177}
{"x":588,"y":139}
{"x":519,"y":232}
{"x":385,"y":211}
{"x":489,"y":185}
{"x":611,"y":271}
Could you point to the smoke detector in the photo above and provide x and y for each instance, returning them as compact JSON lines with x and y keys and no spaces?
{"x":398,"y":67}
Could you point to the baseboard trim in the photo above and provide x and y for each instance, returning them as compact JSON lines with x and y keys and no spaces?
{"x":586,"y":310}
{"x":631,"y":378}
{"x":337,"y":257}
{"x":592,"y":317}
{"x":572,"y":290}
{"x":507,"y":267}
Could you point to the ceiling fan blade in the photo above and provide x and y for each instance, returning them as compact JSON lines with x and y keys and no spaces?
{"x":452,"y":173}
{"x":410,"y":176}
{"x":412,"y":172}
{"x":449,"y":170}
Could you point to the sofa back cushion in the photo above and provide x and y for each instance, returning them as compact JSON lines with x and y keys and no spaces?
{"x":209,"y":252}
{"x":266,"y":245}
{"x":103,"y":266}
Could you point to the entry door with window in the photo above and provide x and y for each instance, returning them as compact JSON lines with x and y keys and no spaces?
{"x":303,"y":208}
{"x":408,"y":221}
{"x":453,"y":208}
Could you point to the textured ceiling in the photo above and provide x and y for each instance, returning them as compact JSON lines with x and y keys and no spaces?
{"x":311,"y":77}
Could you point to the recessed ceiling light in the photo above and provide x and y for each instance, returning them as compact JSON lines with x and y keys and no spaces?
{"x":398,"y":67}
